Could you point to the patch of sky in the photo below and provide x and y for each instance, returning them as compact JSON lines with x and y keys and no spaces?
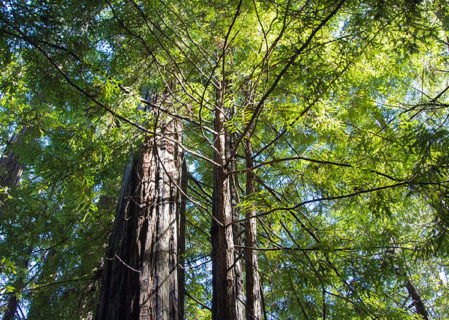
{"x":104,"y":46}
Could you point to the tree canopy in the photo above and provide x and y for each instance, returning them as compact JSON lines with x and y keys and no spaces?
{"x":336,"y":110}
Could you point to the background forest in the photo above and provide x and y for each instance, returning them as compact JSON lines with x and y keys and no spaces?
{"x":303,"y":146}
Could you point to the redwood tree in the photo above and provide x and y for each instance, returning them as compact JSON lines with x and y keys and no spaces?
{"x":141,"y":278}
{"x":345,"y":147}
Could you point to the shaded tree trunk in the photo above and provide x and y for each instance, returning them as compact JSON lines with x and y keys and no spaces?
{"x":47,"y":275}
{"x":236,"y":228}
{"x":11,"y":170}
{"x":11,"y":308}
{"x":10,"y":167}
{"x":420,"y":307}
{"x":224,"y":283}
{"x":181,"y":218}
{"x":140,"y":279}
{"x":253,"y":289}
{"x":238,"y":255}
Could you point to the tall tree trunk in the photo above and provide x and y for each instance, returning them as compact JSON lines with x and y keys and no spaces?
{"x":253,"y":289}
{"x":141,"y":267}
{"x":181,"y":217}
{"x":238,"y":255}
{"x":224,"y":299}
{"x":236,"y":228}
{"x":10,"y":173}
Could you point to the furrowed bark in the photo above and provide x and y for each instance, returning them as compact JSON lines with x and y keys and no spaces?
{"x":253,"y":289}
{"x":238,"y":254}
{"x":141,"y":266}
{"x":236,"y":228}
{"x":224,"y":301}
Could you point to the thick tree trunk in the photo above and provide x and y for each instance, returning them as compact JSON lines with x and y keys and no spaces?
{"x":10,"y":167}
{"x":253,"y":289}
{"x":10,"y":174}
{"x":224,"y":300}
{"x":141,"y":267}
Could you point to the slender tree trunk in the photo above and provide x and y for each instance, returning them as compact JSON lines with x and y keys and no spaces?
{"x":420,"y":307}
{"x":253,"y":289}
{"x":47,"y":275}
{"x":236,"y":228}
{"x":18,"y":284}
{"x":141,"y":267}
{"x":238,"y":254}
{"x":224,"y":300}
{"x":182,"y":199}
{"x":413,"y":292}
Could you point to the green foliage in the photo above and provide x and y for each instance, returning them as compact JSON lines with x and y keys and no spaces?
{"x":350,"y":145}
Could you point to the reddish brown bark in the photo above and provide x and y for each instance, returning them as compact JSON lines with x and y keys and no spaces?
{"x":141,"y":268}
{"x":224,"y":301}
{"x":236,"y":228}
